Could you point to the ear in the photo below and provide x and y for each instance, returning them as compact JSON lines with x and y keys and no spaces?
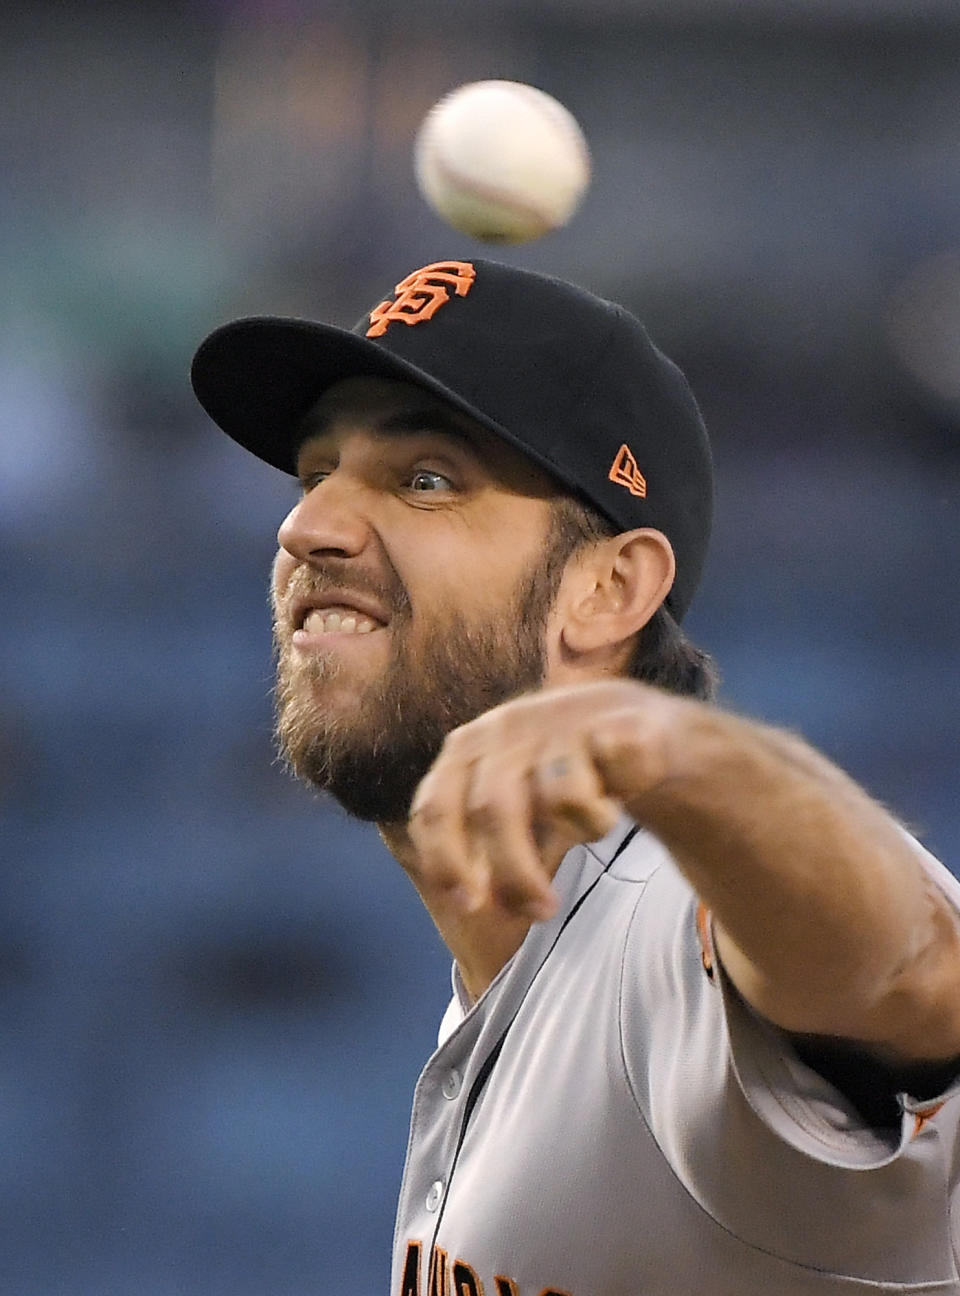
{"x":610,"y":592}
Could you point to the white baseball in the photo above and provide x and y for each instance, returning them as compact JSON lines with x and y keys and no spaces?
{"x":501,"y":161}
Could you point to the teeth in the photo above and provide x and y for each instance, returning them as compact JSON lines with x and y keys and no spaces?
{"x":338,"y":621}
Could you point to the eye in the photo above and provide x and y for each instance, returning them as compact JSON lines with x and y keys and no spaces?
{"x":426,"y":480}
{"x":309,"y":480}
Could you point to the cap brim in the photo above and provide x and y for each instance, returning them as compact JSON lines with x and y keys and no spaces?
{"x":258,"y":378}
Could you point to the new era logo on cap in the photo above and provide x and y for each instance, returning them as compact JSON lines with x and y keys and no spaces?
{"x":624,"y":472}
{"x":421,"y":294}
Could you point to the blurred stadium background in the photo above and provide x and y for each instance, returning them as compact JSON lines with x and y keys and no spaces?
{"x":216,"y":993}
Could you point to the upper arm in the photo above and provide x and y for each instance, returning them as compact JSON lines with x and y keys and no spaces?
{"x":910,"y":1022}
{"x":775,"y":1151}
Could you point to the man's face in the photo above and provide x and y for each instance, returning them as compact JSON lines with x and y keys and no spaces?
{"x":411,"y":590}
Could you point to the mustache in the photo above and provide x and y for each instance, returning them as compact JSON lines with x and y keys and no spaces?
{"x":320,"y":577}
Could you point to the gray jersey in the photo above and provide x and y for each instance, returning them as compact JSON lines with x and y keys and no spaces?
{"x":611,"y":1120}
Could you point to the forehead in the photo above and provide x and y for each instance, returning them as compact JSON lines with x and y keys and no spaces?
{"x":389,"y":408}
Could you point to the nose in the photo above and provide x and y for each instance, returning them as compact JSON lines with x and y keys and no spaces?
{"x":327,"y":520}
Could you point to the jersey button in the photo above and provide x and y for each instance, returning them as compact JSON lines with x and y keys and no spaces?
{"x":452,"y":1084}
{"x":434,"y":1195}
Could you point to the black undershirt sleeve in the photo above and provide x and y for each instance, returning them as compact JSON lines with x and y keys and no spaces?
{"x":870,"y":1083}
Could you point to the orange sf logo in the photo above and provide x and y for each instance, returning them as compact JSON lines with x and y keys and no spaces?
{"x":624,"y":472}
{"x":421,"y":294}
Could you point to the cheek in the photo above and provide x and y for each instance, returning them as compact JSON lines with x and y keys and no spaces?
{"x":283,"y":568}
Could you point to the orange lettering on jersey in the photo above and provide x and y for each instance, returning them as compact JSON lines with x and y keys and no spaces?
{"x":438,"y":1283}
{"x":421,"y":294}
{"x":465,"y":1280}
{"x":624,"y":472}
{"x":410,"y":1282}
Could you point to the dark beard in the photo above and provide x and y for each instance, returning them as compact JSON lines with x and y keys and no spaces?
{"x":373,"y":762}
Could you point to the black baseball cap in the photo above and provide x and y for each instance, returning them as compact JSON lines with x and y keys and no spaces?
{"x":572,"y":380}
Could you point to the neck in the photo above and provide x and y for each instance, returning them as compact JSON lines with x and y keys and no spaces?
{"x":481,"y":942}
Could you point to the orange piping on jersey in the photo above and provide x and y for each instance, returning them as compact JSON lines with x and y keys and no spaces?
{"x":505,"y":1286}
{"x":921,"y":1118}
{"x":706,"y":944}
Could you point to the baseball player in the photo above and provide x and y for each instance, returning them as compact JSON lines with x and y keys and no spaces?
{"x":705,"y":1026}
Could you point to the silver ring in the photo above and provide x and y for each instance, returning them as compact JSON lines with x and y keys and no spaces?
{"x":559,"y":767}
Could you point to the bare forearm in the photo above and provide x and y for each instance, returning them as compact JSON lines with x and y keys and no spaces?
{"x":827,"y":922}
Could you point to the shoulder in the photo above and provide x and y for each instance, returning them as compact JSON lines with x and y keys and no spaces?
{"x":639,"y":857}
